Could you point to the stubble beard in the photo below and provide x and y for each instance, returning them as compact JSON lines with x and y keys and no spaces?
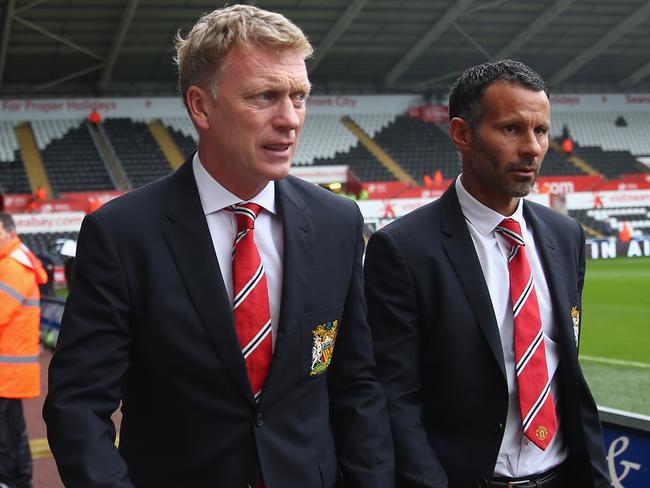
{"x":497,"y":178}
{"x":519,"y":189}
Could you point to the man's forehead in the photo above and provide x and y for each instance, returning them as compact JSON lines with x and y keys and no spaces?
{"x":280,"y":81}
{"x":269,"y":66}
{"x":505,"y":96}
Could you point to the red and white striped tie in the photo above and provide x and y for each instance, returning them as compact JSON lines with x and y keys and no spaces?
{"x":251,"y":298}
{"x":536,"y":403}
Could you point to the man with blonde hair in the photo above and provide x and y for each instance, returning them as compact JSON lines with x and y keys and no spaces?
{"x":200,"y":301}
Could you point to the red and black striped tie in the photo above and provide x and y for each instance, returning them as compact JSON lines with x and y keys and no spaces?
{"x":539,"y":421}
{"x":251,"y":298}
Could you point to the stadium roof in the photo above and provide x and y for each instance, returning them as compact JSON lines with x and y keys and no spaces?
{"x":125,"y":47}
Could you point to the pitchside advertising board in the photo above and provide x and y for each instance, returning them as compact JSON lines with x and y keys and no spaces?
{"x":613,"y":248}
{"x":379,"y":212}
{"x":627,"y":446}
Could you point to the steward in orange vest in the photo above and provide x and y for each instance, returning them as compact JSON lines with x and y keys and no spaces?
{"x":20,"y":274}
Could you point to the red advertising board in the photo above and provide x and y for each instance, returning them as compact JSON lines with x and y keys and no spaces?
{"x":68,"y":202}
{"x":434,"y":114}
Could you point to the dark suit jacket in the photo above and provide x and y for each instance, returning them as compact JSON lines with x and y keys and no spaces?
{"x":148,"y":322}
{"x":438,"y":348}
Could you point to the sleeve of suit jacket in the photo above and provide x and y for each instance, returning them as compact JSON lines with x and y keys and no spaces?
{"x":394,"y":321}
{"x":358,"y":408}
{"x":90,"y":361}
{"x":592,"y":427}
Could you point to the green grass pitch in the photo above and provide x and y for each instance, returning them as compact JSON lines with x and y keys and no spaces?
{"x":615,"y":341}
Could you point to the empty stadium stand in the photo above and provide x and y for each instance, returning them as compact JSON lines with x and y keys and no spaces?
{"x":45,"y":131}
{"x":420,"y":148}
{"x":8,"y":141}
{"x":322,"y":137}
{"x":608,"y":221}
{"x":140,"y":156}
{"x":556,"y":163}
{"x":183,"y":133}
{"x":590,"y":223}
{"x":612,"y":164}
{"x":70,"y":156}
{"x":73,"y":162}
{"x":373,"y":123}
{"x":13,"y":178}
{"x":601,"y":129}
{"x":363,"y":165}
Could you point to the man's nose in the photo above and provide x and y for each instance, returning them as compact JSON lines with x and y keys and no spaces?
{"x":533,"y":145}
{"x":288,"y":116}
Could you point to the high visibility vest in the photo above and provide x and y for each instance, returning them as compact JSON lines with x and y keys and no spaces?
{"x":20,"y":274}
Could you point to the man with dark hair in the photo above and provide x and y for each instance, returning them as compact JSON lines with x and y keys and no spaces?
{"x":223,"y":305}
{"x":475,"y":306}
{"x":20,"y":274}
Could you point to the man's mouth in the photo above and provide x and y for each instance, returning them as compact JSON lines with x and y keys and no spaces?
{"x":525,"y":169}
{"x":281,"y":147}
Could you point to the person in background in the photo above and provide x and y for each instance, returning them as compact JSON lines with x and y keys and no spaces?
{"x":21,"y":274}
{"x":94,"y":117}
{"x":37,"y":199}
{"x":474,"y":302}
{"x":223,"y":305}
{"x":625,"y":233}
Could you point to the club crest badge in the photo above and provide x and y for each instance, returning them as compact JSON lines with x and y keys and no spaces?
{"x":323,"y":348}
{"x":575,"y":316}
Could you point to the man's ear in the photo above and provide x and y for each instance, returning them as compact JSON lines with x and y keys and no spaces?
{"x":461,"y":133}
{"x":199,"y":104}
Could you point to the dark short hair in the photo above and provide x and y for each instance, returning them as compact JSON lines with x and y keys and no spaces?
{"x":466,"y":97}
{"x":7,"y":222}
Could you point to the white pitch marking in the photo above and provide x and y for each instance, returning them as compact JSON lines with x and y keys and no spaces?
{"x":620,"y":362}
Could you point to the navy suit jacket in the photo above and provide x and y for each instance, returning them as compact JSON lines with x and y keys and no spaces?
{"x":438,"y":348}
{"x":149,"y":323}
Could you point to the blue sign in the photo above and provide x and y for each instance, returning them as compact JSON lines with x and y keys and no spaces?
{"x":628,"y":456}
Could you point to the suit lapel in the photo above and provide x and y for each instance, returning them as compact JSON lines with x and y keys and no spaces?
{"x":460,"y":250}
{"x":297,"y":258}
{"x":187,"y":234}
{"x":553,"y":272}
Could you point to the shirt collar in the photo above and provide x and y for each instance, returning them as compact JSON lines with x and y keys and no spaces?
{"x":215,"y":197}
{"x":483,"y":218}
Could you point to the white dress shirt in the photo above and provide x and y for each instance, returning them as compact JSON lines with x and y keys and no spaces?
{"x":215,"y":199}
{"x":517,"y":456}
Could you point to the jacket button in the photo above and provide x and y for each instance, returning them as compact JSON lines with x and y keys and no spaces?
{"x":483,"y":483}
{"x":498,"y":428}
{"x":259,"y":419}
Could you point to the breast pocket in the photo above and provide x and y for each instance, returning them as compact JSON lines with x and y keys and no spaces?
{"x":318,"y":340}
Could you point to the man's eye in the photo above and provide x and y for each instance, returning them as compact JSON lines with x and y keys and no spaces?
{"x":264,"y":96}
{"x":541,"y":131}
{"x":509,"y":129}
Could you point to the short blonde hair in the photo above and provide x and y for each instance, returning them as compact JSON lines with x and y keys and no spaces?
{"x":199,"y":55}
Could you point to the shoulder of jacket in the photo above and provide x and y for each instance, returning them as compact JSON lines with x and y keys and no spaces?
{"x":20,"y":255}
